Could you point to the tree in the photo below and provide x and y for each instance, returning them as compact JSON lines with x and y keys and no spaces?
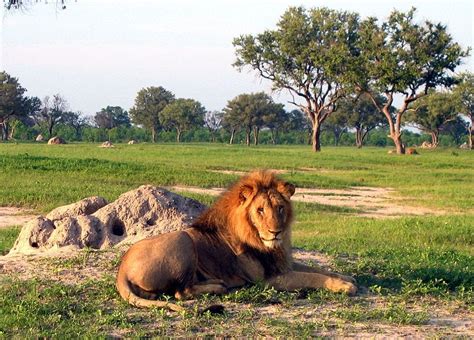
{"x":274,"y":118}
{"x":405,"y":58}
{"x":52,"y":112}
{"x":12,"y":102}
{"x":361,"y":115}
{"x":246,"y":111}
{"x":111,"y":117}
{"x":212,"y":120}
{"x":149,"y":103}
{"x":182,"y":115}
{"x":464,"y":93}
{"x":76,"y":120}
{"x":432,"y":112}
{"x":337,"y":124}
{"x":312,"y":54}
{"x":456,"y":129}
{"x":230,"y":121}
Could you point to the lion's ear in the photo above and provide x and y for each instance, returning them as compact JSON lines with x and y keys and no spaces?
{"x":245,"y":192}
{"x":286,"y":189}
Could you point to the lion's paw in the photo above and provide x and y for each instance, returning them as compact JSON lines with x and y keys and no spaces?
{"x":342,"y":286}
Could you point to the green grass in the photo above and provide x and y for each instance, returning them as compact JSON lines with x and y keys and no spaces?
{"x":44,"y":176}
{"x":7,"y":238}
{"x":403,"y":261}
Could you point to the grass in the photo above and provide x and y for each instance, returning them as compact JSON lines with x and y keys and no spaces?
{"x":411,"y":265}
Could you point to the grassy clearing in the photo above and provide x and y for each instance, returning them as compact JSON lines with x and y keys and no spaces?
{"x":412,"y":267}
{"x":441,"y":178}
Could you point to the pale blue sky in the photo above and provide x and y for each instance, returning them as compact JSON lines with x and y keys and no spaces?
{"x":102,"y":52}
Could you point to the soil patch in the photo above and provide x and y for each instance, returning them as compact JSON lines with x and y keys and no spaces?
{"x":11,"y":216}
{"x":369,"y":201}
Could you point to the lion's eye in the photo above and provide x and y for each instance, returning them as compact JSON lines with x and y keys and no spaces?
{"x":260,"y":211}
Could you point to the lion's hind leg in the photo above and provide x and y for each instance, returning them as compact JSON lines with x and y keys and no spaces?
{"x":212,"y":286}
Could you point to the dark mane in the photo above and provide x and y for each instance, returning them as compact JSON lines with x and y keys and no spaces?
{"x":216,"y":223}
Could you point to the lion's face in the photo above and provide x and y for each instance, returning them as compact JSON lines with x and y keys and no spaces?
{"x":269,"y":214}
{"x":268,"y":211}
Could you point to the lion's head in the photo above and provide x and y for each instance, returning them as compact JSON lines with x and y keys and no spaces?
{"x":259,"y":211}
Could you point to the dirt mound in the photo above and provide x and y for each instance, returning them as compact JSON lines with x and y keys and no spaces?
{"x":107,"y":144}
{"x":93,"y":223}
{"x":56,"y":140}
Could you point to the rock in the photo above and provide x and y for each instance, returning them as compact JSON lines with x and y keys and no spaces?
{"x":132,"y":142}
{"x":107,"y":144}
{"x":39,"y":138}
{"x":93,"y":223}
{"x":56,"y":140}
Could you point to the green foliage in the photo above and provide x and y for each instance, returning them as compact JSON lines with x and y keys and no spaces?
{"x":111,"y":117}
{"x":432,"y":112}
{"x":311,"y":54}
{"x":403,"y":57}
{"x":11,"y":102}
{"x":149,"y":103}
{"x":182,"y":115}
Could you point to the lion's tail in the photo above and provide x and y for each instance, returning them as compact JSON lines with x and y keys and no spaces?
{"x":123,"y":286}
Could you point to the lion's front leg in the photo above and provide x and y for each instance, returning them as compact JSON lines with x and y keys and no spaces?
{"x":300,"y":267}
{"x":294,"y":280}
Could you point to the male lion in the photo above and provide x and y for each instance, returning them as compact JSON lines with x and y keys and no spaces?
{"x":242,"y":238}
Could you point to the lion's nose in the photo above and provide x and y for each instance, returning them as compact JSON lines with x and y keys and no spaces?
{"x":275,"y":232}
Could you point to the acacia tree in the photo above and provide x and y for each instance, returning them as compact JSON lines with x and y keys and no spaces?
{"x":401,"y":57}
{"x":464,"y":93}
{"x":76,"y":120}
{"x":337,"y":124}
{"x":182,"y":115}
{"x":361,"y":115}
{"x":213,"y":120}
{"x":230,"y":121}
{"x":432,"y":112}
{"x":274,"y":119}
{"x":311,"y":54}
{"x":11,"y":102}
{"x":149,"y":103}
{"x":52,"y":112}
{"x":246,"y":111}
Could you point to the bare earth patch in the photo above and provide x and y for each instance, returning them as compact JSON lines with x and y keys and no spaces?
{"x":370,"y":201}
{"x":10,"y":216}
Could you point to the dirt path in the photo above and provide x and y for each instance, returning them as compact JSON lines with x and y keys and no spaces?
{"x":369,"y":201}
{"x":10,"y":216}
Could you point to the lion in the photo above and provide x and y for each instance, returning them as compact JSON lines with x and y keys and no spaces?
{"x":243,"y":238}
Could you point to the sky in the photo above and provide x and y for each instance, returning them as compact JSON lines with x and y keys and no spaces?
{"x":102,"y":52}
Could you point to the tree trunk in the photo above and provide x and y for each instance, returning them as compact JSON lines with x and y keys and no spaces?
{"x":256,"y":132}
{"x":396,"y":133}
{"x":232,"y":134}
{"x":273,"y":136}
{"x":178,"y":135}
{"x":359,"y":137}
{"x":398,"y":143}
{"x":315,"y":137}
{"x":434,"y":138}
{"x":247,"y":137}
{"x":471,"y":134}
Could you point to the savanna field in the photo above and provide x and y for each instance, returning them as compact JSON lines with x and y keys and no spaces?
{"x":415,"y":272}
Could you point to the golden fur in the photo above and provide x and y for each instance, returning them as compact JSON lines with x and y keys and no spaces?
{"x":243,"y":238}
